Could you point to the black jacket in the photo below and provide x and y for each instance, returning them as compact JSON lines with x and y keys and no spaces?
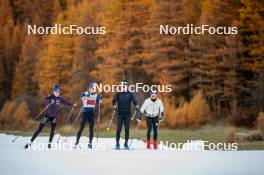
{"x":123,"y":101}
{"x":55,"y":103}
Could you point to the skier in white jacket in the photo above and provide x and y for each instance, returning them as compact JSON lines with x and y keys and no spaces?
{"x":152,"y":108}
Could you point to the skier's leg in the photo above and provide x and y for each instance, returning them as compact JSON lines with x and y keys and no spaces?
{"x":82,"y":125}
{"x":149,"y":126}
{"x":155,"y":123}
{"x":43,"y":122}
{"x":127,"y":126}
{"x":91,"y":126}
{"x":119,"y":128}
{"x":53,"y":123}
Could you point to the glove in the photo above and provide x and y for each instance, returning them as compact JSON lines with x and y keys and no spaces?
{"x":137,"y":107}
{"x":87,"y":94}
{"x":139,"y":116}
{"x":100,"y":99}
{"x":114,"y":107}
{"x":84,"y":99}
{"x":161,"y":117}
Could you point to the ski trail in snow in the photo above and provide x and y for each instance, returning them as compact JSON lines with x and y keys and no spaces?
{"x":16,"y":160}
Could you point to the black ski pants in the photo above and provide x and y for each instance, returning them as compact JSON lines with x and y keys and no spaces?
{"x":42,"y":124}
{"x":123,"y":119}
{"x":152,"y":122}
{"x":86,"y":116}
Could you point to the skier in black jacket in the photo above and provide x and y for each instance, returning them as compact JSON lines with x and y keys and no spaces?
{"x":53,"y":103}
{"x":122,"y":103}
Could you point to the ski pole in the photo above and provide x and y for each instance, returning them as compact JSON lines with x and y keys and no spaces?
{"x":139,"y":122}
{"x":111,"y":120}
{"x":134,"y":115}
{"x":98,"y":121}
{"x":15,"y":138}
{"x":65,"y":140}
{"x":43,"y":110}
{"x":65,"y":124}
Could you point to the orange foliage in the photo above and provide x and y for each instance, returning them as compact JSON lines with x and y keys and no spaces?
{"x":192,"y":114}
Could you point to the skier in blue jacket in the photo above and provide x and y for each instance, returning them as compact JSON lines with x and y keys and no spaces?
{"x":53,"y":103}
{"x":90,"y":100}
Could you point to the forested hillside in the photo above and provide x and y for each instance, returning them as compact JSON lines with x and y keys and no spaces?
{"x":214,"y":77}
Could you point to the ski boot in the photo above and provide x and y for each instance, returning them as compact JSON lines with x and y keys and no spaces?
{"x":148,"y":144}
{"x":77,"y":146}
{"x":155,"y":146}
{"x":27,"y":145}
{"x":90,"y":146}
{"x":126,"y":147}
{"x":49,"y":145}
{"x":117,"y":147}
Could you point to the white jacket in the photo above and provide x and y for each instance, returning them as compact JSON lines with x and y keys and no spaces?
{"x":152,"y":109}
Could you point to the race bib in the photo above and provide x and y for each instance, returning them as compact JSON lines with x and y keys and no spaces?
{"x":90,"y":101}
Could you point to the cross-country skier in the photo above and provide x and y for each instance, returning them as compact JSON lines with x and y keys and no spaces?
{"x":53,"y":103}
{"x":122,"y":103}
{"x":90,"y":99}
{"x":152,"y":108}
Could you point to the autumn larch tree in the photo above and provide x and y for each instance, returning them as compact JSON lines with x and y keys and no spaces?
{"x":252,"y":59}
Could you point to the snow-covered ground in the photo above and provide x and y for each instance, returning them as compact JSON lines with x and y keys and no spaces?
{"x":14,"y":160}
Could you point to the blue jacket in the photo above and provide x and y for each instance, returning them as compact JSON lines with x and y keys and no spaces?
{"x":55,"y":104}
{"x":90,"y":101}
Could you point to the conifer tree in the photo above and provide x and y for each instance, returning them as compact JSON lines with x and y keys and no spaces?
{"x":165,"y":58}
{"x":252,"y":59}
{"x":208,"y":51}
{"x":84,"y":52}
{"x":122,"y":47}
{"x":55,"y":61}
{"x":24,"y":81}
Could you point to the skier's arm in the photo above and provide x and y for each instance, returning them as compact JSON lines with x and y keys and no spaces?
{"x":142,"y":110}
{"x":134,"y":100}
{"x":47,"y":100}
{"x":66,"y":102}
{"x":161,"y":107}
{"x":143,"y":107}
{"x":114,"y":100}
{"x":83,"y":98}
